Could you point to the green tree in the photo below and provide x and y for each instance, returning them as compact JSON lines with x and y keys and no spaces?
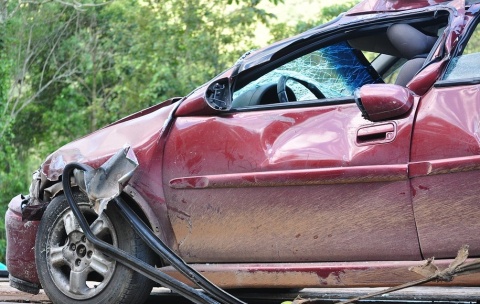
{"x":282,"y":30}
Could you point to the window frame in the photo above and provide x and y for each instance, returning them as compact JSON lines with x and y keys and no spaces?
{"x":318,"y":41}
{"x":458,"y":51}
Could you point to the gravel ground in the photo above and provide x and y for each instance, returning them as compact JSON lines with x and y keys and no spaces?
{"x":417,"y":295}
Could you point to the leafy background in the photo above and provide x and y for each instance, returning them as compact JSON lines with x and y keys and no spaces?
{"x":68,"y":68}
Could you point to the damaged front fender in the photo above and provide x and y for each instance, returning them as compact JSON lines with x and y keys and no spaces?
{"x":141,"y":131}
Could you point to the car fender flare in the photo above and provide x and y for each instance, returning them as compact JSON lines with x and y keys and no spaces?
{"x":157,"y":217}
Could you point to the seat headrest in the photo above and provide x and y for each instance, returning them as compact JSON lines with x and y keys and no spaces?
{"x":409,"y":41}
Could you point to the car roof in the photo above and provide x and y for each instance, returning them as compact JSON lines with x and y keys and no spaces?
{"x":372,"y":7}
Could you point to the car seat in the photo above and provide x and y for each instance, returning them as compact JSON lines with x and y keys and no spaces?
{"x":413,"y":45}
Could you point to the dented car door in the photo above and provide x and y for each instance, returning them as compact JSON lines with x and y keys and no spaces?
{"x":289,"y":185}
{"x":292,"y":181}
{"x":446,"y":155}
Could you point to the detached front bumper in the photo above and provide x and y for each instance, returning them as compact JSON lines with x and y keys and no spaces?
{"x":20,"y":255}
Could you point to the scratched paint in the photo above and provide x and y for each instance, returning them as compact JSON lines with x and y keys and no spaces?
{"x":304,"y":275}
{"x":444,"y":141}
{"x":266,"y":151}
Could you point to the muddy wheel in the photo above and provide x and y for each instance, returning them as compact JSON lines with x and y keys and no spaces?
{"x":72,"y":270}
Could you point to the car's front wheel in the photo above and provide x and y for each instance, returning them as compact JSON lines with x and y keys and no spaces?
{"x":72,"y":270}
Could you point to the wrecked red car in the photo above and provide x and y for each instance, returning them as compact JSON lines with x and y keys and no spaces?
{"x":338,"y":157}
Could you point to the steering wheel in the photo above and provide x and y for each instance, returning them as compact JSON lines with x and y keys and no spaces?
{"x":282,"y":88}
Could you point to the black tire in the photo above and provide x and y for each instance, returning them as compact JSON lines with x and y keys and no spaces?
{"x":70,"y":268}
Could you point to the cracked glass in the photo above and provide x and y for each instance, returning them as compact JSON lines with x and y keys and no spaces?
{"x":336,"y":70}
{"x":465,"y":66}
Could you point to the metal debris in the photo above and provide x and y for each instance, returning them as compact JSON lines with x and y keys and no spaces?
{"x":107,"y":182}
{"x":429,"y":271}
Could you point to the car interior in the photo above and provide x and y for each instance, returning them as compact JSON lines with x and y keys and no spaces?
{"x":389,"y":53}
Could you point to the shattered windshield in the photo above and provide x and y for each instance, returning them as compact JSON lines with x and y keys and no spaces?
{"x":336,"y":70}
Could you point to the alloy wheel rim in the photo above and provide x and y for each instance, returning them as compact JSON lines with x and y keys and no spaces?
{"x":78,"y":269}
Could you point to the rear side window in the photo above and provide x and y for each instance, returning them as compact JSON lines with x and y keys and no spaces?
{"x":466,"y":65}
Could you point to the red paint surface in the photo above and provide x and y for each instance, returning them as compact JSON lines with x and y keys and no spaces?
{"x":20,"y":255}
{"x":385,"y":101}
{"x":279,"y":173}
{"x":322,"y":176}
{"x":446,"y":149}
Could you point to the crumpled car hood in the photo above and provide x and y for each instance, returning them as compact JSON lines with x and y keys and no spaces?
{"x":140,"y":131}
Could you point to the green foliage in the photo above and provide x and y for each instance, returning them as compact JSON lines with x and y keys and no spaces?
{"x":283,"y":30}
{"x":254,"y":2}
{"x":13,"y":179}
{"x":175,"y":48}
{"x":9,"y":182}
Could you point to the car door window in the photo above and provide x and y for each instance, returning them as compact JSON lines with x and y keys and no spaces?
{"x":335,"y":71}
{"x":466,"y":64}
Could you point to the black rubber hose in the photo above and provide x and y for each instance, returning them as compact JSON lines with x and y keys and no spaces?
{"x":120,"y":255}
{"x":167,"y":254}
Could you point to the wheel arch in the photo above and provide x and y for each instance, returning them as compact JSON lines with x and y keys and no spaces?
{"x":155,"y":217}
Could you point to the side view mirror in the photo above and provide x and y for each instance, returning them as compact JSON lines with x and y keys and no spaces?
{"x":379,"y":102}
{"x":207,"y":100}
{"x":218,"y":95}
